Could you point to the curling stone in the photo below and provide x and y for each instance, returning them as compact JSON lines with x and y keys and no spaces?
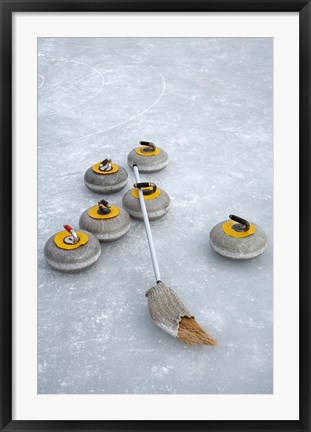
{"x":105,"y":221}
{"x":238,"y":239}
{"x":157,"y":201}
{"x":105,"y":177}
{"x":70,"y":251}
{"x":148,"y":157}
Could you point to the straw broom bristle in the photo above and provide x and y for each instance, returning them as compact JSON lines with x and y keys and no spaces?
{"x":191,"y":333}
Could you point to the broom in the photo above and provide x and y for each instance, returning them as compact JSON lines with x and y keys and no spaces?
{"x":165,"y":308}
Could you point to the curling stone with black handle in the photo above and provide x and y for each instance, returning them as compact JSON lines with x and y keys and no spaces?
{"x":105,"y":177}
{"x":238,"y":239}
{"x":148,"y":157}
{"x":70,"y":251}
{"x":157,"y":201}
{"x":106,"y":221}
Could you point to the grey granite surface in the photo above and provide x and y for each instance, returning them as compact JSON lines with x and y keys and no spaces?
{"x":209,"y":104}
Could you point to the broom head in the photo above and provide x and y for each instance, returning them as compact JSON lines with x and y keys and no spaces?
{"x":169,"y":313}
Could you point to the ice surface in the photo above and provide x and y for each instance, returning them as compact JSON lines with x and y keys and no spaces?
{"x":209,"y":104}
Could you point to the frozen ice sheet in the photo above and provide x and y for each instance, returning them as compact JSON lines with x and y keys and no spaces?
{"x":209,"y":104}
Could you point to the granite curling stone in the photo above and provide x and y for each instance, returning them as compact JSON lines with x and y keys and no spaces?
{"x":105,"y":177}
{"x":148,"y":157}
{"x":70,"y":251}
{"x":238,"y":239}
{"x":105,"y":221}
{"x":157,"y":201}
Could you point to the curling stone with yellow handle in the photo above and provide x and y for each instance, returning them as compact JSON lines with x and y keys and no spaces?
{"x":70,"y":251}
{"x":148,"y":157}
{"x":106,"y":221}
{"x":157,"y":201}
{"x":105,"y":177}
{"x":238,"y":239}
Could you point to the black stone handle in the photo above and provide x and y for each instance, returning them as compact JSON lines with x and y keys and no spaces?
{"x":148,"y":144}
{"x":241,"y":221}
{"x":105,"y":203}
{"x":103,"y":207}
{"x":105,"y":161}
{"x":146,"y":185}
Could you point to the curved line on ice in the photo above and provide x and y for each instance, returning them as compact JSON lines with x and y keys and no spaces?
{"x":133,"y":117}
{"x":42,"y":82}
{"x":80,"y":103}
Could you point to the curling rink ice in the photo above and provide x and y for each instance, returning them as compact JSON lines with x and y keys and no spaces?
{"x":209,"y":103}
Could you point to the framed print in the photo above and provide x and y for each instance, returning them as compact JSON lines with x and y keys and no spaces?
{"x":155,"y":208}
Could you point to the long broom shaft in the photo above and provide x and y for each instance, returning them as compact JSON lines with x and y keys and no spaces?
{"x":147,"y":227}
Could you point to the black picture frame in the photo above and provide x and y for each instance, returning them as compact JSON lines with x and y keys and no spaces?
{"x":7,"y":8}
